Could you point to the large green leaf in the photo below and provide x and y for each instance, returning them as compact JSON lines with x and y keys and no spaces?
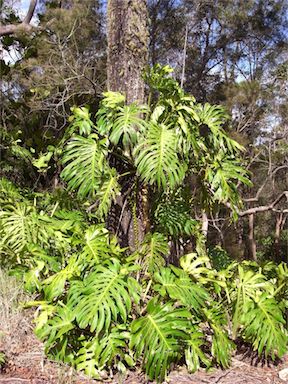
{"x":96,"y":354}
{"x":152,"y":252}
{"x":173,"y":215}
{"x":55,"y":325}
{"x":107,"y":193}
{"x":245,"y":286}
{"x":127,"y":125}
{"x":222,"y":347}
{"x":158,"y":337}
{"x":102,"y":297}
{"x":84,"y":160}
{"x":179,"y":286}
{"x":156,"y":157}
{"x":19,"y":226}
{"x":264,"y":326}
{"x":96,"y":246}
{"x":194,"y":354}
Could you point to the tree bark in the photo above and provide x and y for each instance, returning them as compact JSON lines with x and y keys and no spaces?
{"x":280,"y":221}
{"x":127,"y":47}
{"x":252,"y":242}
{"x":204,"y":227}
{"x":127,"y":57}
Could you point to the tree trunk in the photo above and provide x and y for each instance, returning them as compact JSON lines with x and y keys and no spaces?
{"x":127,"y":47}
{"x":252,"y":242}
{"x":204,"y":227}
{"x":280,"y":221}
{"x":127,"y":58}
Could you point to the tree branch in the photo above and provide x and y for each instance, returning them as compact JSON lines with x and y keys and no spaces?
{"x":264,"y":208}
{"x":256,"y":198}
{"x":10,"y":29}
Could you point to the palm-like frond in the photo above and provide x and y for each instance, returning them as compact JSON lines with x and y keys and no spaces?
{"x":58,"y":322}
{"x":264,"y":326}
{"x":102,"y":297}
{"x":222,"y":346}
{"x":19,"y":226}
{"x":156,"y":157}
{"x":84,"y":160}
{"x":222,"y":175}
{"x":122,"y":123}
{"x":112,"y":100}
{"x":97,"y":354}
{"x":213,"y":117}
{"x":81,"y":120}
{"x":245,"y":286}
{"x":197,"y":266}
{"x":127,"y":124}
{"x":152,"y":252}
{"x":173,"y":217}
{"x":96,"y":246}
{"x":86,"y":361}
{"x":67,"y":221}
{"x":194,"y":354}
{"x":107,"y":193}
{"x":54,"y":285}
{"x":179,"y":286}
{"x":157,"y":337}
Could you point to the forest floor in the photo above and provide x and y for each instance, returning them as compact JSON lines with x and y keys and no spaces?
{"x":26,"y":364}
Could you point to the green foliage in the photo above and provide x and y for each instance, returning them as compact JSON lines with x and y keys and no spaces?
{"x":102,"y":307}
{"x":156,"y":157}
{"x":102,"y":296}
{"x":172,"y":215}
{"x":264,"y":324}
{"x":84,"y":159}
{"x":164,"y":142}
{"x":20,"y":225}
{"x":222,"y":347}
{"x":121,"y":122}
{"x":95,"y":355}
{"x":95,"y":315}
{"x":219,"y":258}
{"x":178,"y":286}
{"x":156,"y":337}
{"x":107,"y":193}
{"x":194,"y":355}
{"x":152,"y":251}
{"x":2,"y":359}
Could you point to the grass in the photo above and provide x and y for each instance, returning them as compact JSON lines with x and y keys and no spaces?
{"x":11,"y":297}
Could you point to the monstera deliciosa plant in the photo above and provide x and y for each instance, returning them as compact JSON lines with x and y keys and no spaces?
{"x":165,"y":145}
{"x":103,"y":308}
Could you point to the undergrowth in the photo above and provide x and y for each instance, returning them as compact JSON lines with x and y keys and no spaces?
{"x":103,"y":308}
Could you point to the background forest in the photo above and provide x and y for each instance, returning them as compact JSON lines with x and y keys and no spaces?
{"x":143,"y":178}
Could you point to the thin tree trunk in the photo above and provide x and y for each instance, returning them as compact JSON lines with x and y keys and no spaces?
{"x":280,"y":221}
{"x":204,"y":224}
{"x":252,"y":242}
